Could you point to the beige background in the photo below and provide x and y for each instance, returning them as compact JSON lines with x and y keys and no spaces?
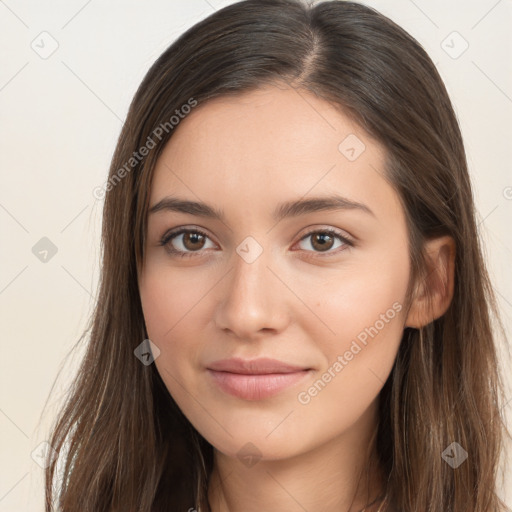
{"x":60,"y":118}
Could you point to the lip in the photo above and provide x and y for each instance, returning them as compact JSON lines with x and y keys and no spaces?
{"x":255,"y":379}
{"x":262,"y":365}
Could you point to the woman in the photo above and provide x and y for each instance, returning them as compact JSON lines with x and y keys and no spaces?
{"x":294,"y":312}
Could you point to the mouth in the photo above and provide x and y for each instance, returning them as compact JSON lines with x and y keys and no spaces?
{"x":256,"y":379}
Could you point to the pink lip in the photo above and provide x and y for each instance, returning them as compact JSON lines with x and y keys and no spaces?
{"x":256,"y":379}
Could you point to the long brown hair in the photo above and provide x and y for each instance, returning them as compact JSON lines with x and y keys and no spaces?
{"x":125,"y":443}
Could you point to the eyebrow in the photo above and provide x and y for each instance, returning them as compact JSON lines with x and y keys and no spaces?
{"x":284,"y":210}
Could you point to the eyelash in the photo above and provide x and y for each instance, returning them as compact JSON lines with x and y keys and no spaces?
{"x":183,"y":254}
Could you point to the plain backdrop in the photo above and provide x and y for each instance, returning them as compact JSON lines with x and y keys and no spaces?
{"x":68,"y":72}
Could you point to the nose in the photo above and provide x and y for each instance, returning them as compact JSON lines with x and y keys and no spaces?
{"x":253,"y":300}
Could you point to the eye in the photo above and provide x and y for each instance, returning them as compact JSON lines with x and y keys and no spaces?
{"x":322,"y":240}
{"x":188,"y":242}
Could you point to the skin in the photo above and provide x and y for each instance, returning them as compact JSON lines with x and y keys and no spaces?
{"x":296,"y":302}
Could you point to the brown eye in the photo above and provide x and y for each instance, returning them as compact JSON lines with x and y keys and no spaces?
{"x":184,"y":242}
{"x":193,"y":241}
{"x":322,"y":241}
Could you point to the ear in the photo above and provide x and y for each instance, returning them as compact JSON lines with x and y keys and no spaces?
{"x":439,"y":283}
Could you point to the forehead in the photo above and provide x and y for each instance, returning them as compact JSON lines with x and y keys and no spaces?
{"x":269,"y":145}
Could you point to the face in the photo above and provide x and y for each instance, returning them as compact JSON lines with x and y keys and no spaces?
{"x":319,"y":286}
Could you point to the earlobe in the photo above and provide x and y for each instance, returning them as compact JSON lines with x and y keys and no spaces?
{"x":435,"y":292}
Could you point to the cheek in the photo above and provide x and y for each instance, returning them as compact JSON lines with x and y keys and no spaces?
{"x":362,"y":319}
{"x":360,"y":301}
{"x":172,"y":304}
{"x":368,"y":308}
{"x":168,"y":299}
{"x":367,"y":317}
